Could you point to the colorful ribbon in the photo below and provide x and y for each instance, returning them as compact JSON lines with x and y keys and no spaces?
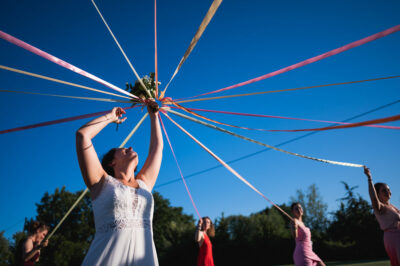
{"x":179,"y":168}
{"x":283,"y":90}
{"x":60,"y":62}
{"x":71,"y":97}
{"x":58,"y":121}
{"x":209,"y":119}
{"x":365,"y":123}
{"x":155,"y":47}
{"x":230,"y":169}
{"x":263,"y":144}
{"x":311,"y":60}
{"x":60,"y":81}
{"x":283,"y":117}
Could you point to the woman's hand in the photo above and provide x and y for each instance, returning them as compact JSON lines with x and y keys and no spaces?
{"x":367,"y":172}
{"x":44,"y":243}
{"x":116,"y":114}
{"x":152,"y":106}
{"x":200,"y":224}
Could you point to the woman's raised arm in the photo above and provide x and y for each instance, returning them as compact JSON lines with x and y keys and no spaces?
{"x":376,"y":204}
{"x":89,"y":162}
{"x":151,"y":167}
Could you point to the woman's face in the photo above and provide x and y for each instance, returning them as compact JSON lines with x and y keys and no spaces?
{"x":40,"y":235}
{"x":206,"y":224}
{"x":126,"y":155}
{"x":297,"y":211}
{"x":384,"y":193}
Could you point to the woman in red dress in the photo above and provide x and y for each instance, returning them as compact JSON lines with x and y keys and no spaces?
{"x":205,"y":230}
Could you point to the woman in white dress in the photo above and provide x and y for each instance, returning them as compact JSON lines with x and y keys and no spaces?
{"x":122,"y":202}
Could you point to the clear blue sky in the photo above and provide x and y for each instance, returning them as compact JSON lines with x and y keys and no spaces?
{"x":244,"y":40}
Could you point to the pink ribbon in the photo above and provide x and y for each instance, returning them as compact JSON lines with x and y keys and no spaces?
{"x":283,"y":117}
{"x":311,"y":60}
{"x":179,"y":168}
{"x":58,"y":121}
{"x":60,"y":62}
{"x":365,"y":123}
{"x":230,"y":169}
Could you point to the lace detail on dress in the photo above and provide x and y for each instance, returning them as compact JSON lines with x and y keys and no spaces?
{"x":122,"y":224}
{"x":122,"y":207}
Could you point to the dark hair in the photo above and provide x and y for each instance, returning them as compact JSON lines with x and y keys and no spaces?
{"x":36,"y":225}
{"x":211,"y":230}
{"x":378,"y":186}
{"x":294,"y":204}
{"x":107,"y":160}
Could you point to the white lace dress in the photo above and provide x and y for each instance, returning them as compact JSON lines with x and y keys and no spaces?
{"x":123,"y":218}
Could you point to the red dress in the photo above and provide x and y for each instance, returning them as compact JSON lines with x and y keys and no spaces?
{"x":32,"y":261}
{"x":205,"y":257}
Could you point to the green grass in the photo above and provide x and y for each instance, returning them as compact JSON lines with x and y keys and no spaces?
{"x":356,"y":263}
{"x":361,"y":263}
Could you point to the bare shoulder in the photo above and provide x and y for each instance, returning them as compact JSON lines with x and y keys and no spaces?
{"x":28,"y":245}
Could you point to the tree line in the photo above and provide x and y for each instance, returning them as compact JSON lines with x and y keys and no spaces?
{"x":261,"y":238}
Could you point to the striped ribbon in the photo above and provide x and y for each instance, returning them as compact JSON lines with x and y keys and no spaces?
{"x":60,"y":62}
{"x":155,"y":47}
{"x":71,"y":97}
{"x":310,"y":60}
{"x":230,"y":169}
{"x":179,"y":168}
{"x":364,"y":123}
{"x":263,"y":144}
{"x":58,"y":121}
{"x":59,"y":81}
{"x":283,"y":117}
{"x":211,"y":120}
{"x":283,"y":90}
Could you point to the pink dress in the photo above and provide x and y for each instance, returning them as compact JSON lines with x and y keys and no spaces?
{"x":389,"y":221}
{"x":303,"y":254}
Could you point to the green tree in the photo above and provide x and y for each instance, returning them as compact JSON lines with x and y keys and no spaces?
{"x":173,"y":233}
{"x":5,"y":253}
{"x":355,"y":226}
{"x":70,"y":243}
{"x":315,"y":210}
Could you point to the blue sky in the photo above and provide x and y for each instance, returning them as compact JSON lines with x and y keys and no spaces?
{"x":243,"y":41}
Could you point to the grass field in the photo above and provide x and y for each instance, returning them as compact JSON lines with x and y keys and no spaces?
{"x":356,"y":263}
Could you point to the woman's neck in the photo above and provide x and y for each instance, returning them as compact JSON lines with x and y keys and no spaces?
{"x":126,"y":174}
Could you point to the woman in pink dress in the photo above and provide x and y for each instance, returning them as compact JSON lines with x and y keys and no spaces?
{"x":388,"y":217}
{"x":205,"y":230}
{"x":303,"y":254}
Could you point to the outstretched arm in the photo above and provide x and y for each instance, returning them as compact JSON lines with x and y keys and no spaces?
{"x":151,"y":167}
{"x":89,"y":162}
{"x":199,"y":236}
{"x":376,"y":204}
